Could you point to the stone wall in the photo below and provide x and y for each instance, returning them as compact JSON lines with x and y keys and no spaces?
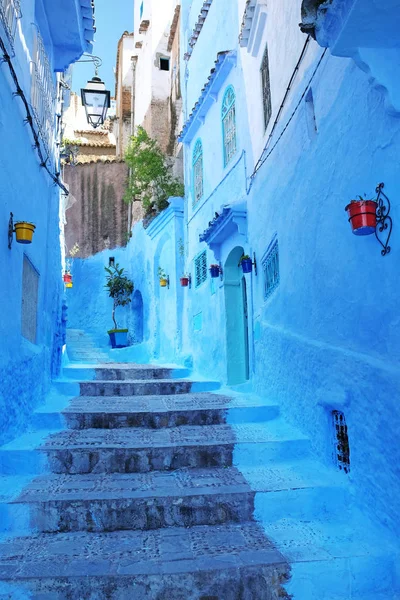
{"x":98,"y":216}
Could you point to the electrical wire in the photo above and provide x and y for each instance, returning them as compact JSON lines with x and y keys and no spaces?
{"x":29,"y":119}
{"x":264,"y":157}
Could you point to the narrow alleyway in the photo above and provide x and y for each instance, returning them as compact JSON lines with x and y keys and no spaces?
{"x":138,"y":497}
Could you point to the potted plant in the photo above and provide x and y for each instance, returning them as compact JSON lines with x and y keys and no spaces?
{"x":214,"y":271}
{"x":362,"y":216}
{"x":246,"y":263}
{"x":120,"y":289}
{"x":24,"y":232}
{"x":184,"y":280}
{"x":163,"y":277}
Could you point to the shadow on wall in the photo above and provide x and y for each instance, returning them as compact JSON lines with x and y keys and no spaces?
{"x":136,"y":320}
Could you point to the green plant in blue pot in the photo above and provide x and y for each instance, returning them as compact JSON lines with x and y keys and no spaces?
{"x":120,"y":289}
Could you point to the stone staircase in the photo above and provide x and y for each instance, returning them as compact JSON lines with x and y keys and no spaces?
{"x":129,"y":488}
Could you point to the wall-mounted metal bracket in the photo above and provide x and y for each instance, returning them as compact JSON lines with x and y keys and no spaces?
{"x":221,"y":272}
{"x":384,"y":222}
{"x":255,"y":264}
{"x":167,"y":281}
{"x":10,"y":230}
{"x":190,"y":281}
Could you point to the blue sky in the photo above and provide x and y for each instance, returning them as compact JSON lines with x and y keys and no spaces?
{"x":112,"y":19}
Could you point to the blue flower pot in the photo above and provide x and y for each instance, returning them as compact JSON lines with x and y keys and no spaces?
{"x":118,"y":338}
{"x":247,"y":265}
{"x":214,"y":272}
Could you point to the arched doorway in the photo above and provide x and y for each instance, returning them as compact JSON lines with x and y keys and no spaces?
{"x":237,"y":335}
{"x":137,"y":317}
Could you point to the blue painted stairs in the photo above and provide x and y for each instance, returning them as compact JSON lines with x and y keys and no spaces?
{"x":137,"y":482}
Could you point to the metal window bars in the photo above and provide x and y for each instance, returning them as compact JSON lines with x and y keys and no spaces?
{"x":198,"y":171}
{"x":266,"y":88}
{"x":43,"y":94}
{"x":200,"y":269}
{"x":271,"y":270}
{"x":10,"y":12}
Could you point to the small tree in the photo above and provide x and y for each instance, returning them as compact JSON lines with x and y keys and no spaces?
{"x":151,"y":178}
{"x":119,"y":287}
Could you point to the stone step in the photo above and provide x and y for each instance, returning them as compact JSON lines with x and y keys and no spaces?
{"x":160,"y":387}
{"x":224,"y":562}
{"x":130,"y":450}
{"x":153,"y":412}
{"x":184,"y":498}
{"x":121,"y":371}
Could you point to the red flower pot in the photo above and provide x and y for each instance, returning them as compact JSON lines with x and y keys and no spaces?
{"x":184,"y":281}
{"x":67,"y":277}
{"x":362,"y":216}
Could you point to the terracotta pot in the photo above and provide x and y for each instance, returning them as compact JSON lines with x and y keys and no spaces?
{"x":184,"y":281}
{"x":362,"y":216}
{"x":67,"y":277}
{"x":24,"y":232}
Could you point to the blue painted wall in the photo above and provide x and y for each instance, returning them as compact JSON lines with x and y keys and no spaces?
{"x":30,"y":194}
{"x":327,"y":337}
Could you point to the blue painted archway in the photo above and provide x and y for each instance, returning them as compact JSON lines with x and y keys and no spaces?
{"x":237,"y":337}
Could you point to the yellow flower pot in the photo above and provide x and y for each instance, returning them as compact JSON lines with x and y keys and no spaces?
{"x":163,"y":282}
{"x":68,"y":285}
{"x":24,"y":232}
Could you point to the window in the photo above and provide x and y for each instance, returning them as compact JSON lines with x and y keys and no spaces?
{"x":164,"y":64}
{"x":197,"y":171}
{"x":141,"y":11}
{"x":266,"y":88}
{"x":342,"y":447}
{"x":200,"y":269}
{"x":30,"y":292}
{"x":229,"y":124}
{"x":270,"y":266}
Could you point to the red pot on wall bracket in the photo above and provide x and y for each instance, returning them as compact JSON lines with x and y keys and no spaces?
{"x":372,"y":216}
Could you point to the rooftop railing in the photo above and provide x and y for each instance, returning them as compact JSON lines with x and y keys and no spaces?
{"x":43,"y":93}
{"x":10,"y":12}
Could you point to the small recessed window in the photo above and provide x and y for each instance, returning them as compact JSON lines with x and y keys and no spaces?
{"x":270,"y":265}
{"x":164,"y":64}
{"x":200,"y":269}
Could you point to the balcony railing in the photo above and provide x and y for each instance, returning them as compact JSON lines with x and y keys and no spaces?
{"x":43,"y":93}
{"x":10,"y":12}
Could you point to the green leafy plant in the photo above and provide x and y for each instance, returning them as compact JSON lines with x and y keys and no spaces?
{"x":244,"y":257}
{"x":119,"y":288}
{"x":151,"y":180}
{"x":161,"y":273}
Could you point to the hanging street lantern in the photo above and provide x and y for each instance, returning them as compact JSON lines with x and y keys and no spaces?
{"x":96,"y":100}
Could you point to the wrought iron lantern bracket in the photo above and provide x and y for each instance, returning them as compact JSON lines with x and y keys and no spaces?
{"x":384,"y":223}
{"x":10,"y":230}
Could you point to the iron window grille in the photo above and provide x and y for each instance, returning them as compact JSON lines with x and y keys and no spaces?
{"x":200,"y":269}
{"x":29,"y":306}
{"x":266,"y":88}
{"x":270,"y":265}
{"x":342,"y":452}
{"x":10,"y":12}
{"x":43,"y":93}
{"x":229,"y":124}
{"x":197,"y":171}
